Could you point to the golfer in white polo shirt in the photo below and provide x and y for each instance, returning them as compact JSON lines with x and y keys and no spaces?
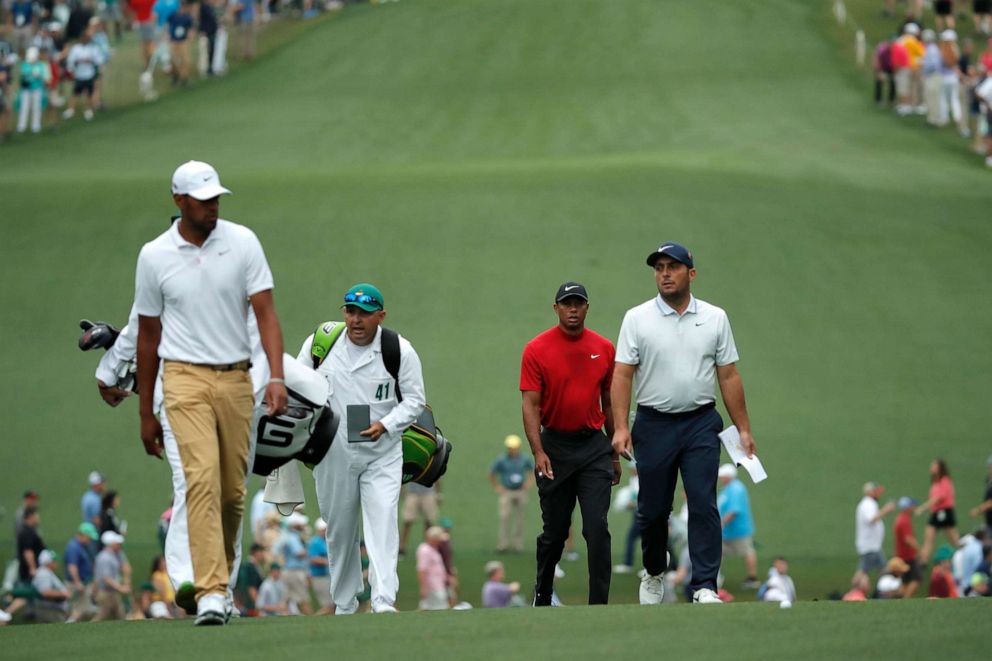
{"x":193,"y":287}
{"x":679,"y":348}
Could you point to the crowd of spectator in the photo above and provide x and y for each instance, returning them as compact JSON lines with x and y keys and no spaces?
{"x":286,"y":570}
{"x":935,"y":73}
{"x":95,"y":580}
{"x":960,"y":567}
{"x":55,"y":54}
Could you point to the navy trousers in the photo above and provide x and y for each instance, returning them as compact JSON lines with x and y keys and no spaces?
{"x":666,"y":444}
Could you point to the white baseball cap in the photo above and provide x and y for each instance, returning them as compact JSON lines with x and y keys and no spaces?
{"x":46,"y":557}
{"x":888,"y":583}
{"x":727,"y":470}
{"x":96,"y":477}
{"x":297,"y":519}
{"x":320,"y":524}
{"x":197,"y":179}
{"x":110,"y":537}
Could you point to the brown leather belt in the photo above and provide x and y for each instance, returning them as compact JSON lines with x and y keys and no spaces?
{"x":242,"y":366}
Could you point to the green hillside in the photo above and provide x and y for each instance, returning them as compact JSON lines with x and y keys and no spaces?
{"x":470,"y":155}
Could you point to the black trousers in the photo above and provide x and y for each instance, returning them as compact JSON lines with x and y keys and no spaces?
{"x":583,"y":468}
{"x":665,"y":445}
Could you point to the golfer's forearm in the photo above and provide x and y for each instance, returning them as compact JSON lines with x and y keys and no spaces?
{"x":269,"y":330}
{"x":732,"y":389}
{"x":620,"y":396}
{"x":531,"y":409}
{"x":149,"y":336}
{"x":608,"y":426}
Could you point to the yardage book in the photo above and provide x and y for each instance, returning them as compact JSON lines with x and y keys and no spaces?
{"x":732,"y":441}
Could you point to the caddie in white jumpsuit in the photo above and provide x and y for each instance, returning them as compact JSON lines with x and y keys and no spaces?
{"x":364,"y":478}
{"x":110,"y":372}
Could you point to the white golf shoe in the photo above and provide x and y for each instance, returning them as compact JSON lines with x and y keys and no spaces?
{"x":210,"y":610}
{"x":705,"y":596}
{"x":652,"y":590}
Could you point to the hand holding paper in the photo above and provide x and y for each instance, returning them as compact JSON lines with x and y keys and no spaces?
{"x":732,"y":442}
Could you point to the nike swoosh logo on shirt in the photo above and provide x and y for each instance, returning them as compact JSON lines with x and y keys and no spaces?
{"x":595,"y":355}
{"x":700,"y":323}
{"x":224,"y":252}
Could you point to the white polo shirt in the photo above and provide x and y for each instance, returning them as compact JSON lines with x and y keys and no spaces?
{"x":868,"y":535}
{"x":201,"y":292}
{"x":676,"y":355}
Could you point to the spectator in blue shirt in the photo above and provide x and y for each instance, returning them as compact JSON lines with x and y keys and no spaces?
{"x":738,"y":524}
{"x":92,"y":504}
{"x":296,"y":563}
{"x":320,"y":575}
{"x":79,"y":571}
{"x":511,"y":476}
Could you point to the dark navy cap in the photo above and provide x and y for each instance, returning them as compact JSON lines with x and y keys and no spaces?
{"x":676,"y":251}
{"x":571,"y":289}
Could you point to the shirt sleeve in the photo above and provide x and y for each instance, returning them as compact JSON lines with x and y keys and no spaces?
{"x":627,"y":350}
{"x":726,"y":349}
{"x":147,"y":290}
{"x":123,"y":351}
{"x":258,"y":276}
{"x":530,"y":371}
{"x":411,"y":385}
{"x":304,"y":355}
{"x":611,"y":354}
{"x":496,"y":468}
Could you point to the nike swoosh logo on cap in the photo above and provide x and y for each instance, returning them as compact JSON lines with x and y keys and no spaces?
{"x":570,"y":288}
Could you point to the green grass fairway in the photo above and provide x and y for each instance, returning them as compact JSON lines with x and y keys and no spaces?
{"x":745,"y":631}
{"x":469,"y":156}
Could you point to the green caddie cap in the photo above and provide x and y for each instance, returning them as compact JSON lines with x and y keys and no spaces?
{"x":364,"y":296}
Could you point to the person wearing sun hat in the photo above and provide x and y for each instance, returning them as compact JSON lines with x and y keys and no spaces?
{"x":512,"y":476}
{"x":359,"y":479}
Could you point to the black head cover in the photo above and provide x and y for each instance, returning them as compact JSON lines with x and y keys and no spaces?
{"x":97,"y":335}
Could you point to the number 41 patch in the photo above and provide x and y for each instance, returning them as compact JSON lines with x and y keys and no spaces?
{"x":382,"y":392}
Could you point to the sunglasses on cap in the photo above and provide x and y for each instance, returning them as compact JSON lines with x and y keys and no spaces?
{"x":365,"y":299}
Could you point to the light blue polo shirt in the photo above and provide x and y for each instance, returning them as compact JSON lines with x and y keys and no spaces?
{"x":734,"y":499}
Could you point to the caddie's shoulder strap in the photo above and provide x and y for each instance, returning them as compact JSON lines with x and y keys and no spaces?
{"x":391,"y":357}
{"x":323,"y":339}
{"x":328,"y":333}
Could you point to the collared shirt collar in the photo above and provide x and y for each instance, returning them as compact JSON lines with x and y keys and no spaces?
{"x":666,"y":309}
{"x":177,"y":238}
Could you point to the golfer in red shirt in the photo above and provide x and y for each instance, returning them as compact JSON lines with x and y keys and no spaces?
{"x":565,"y":379}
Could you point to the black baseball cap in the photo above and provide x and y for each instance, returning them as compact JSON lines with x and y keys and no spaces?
{"x":571,"y":289}
{"x":676,"y":251}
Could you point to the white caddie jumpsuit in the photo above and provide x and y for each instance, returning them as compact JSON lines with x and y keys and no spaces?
{"x":361,"y":481}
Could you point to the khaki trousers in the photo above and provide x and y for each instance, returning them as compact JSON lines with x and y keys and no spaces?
{"x":512,"y":507}
{"x":210,"y":413}
{"x":110,"y":606}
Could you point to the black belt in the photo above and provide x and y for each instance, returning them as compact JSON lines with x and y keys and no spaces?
{"x":582,"y":433}
{"x":241,"y":366}
{"x":675,"y":415}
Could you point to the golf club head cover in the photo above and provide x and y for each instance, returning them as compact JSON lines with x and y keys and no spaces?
{"x":97,"y":335}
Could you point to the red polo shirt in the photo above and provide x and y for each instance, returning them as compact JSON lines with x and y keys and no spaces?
{"x":902,"y":530}
{"x":571,"y":373}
